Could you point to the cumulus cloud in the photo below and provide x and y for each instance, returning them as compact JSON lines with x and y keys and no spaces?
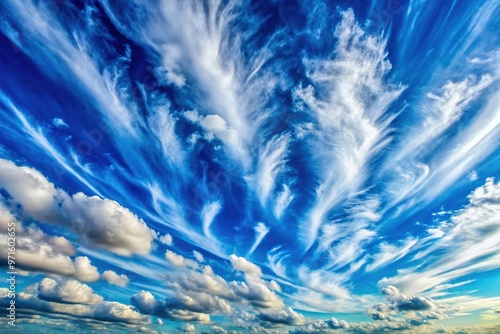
{"x":146,"y":303}
{"x":6,"y":218}
{"x":215,"y":126}
{"x":67,"y":291}
{"x":166,"y":239}
{"x":283,"y":200}
{"x":84,"y":270}
{"x":179,"y":261}
{"x":62,"y":298}
{"x":285,"y":316}
{"x":255,"y":292}
{"x":242,"y":264}
{"x":39,"y":252}
{"x":398,"y":302}
{"x":113,"y":278}
{"x":199,"y":302}
{"x":102,"y":222}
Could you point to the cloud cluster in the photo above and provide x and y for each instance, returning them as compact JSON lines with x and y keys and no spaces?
{"x":199,"y":293}
{"x":39,"y":252}
{"x":101,"y":222}
{"x":69,"y":298}
{"x":398,"y":302}
{"x":67,"y":291}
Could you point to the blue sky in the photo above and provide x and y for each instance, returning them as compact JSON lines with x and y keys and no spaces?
{"x":251,"y":166}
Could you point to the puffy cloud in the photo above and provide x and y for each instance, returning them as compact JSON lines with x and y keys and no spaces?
{"x":146,"y":303}
{"x":204,"y":280}
{"x":84,"y":270}
{"x":398,"y":302}
{"x":96,"y":309}
{"x":109,"y":225}
{"x":274,"y":286}
{"x":38,"y":251}
{"x":218,"y":330}
{"x":407,"y":303}
{"x":242,"y":264}
{"x":67,"y":291}
{"x":179,"y":261}
{"x":113,"y":278}
{"x":166,"y":239}
{"x":199,"y":302}
{"x":285,"y":316}
{"x":6,"y":218}
{"x":215,"y":125}
{"x":31,"y":189}
{"x":102,"y":222}
{"x":189,"y":328}
{"x":255,"y":292}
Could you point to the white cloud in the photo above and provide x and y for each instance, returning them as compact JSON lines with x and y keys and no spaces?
{"x":65,"y":296}
{"x":162,"y":124}
{"x":102,"y":222}
{"x":67,"y":291}
{"x":113,"y":278}
{"x":285,"y":316}
{"x":261,"y":230}
{"x":6,"y":218}
{"x":208,"y":214}
{"x":389,"y":253}
{"x":255,"y":292}
{"x":216,"y":126}
{"x":198,"y":256}
{"x":59,"y":123}
{"x":417,"y":179}
{"x":271,"y":162}
{"x":166,"y":239}
{"x":472,"y":176}
{"x":327,"y":283}
{"x":242,"y":264}
{"x":69,"y":57}
{"x":491,"y":314}
{"x":445,"y":109}
{"x":189,"y":328}
{"x":471,"y":233}
{"x":84,"y":270}
{"x":348,"y":100}
{"x":39,"y":252}
{"x":146,"y":303}
{"x":179,"y":261}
